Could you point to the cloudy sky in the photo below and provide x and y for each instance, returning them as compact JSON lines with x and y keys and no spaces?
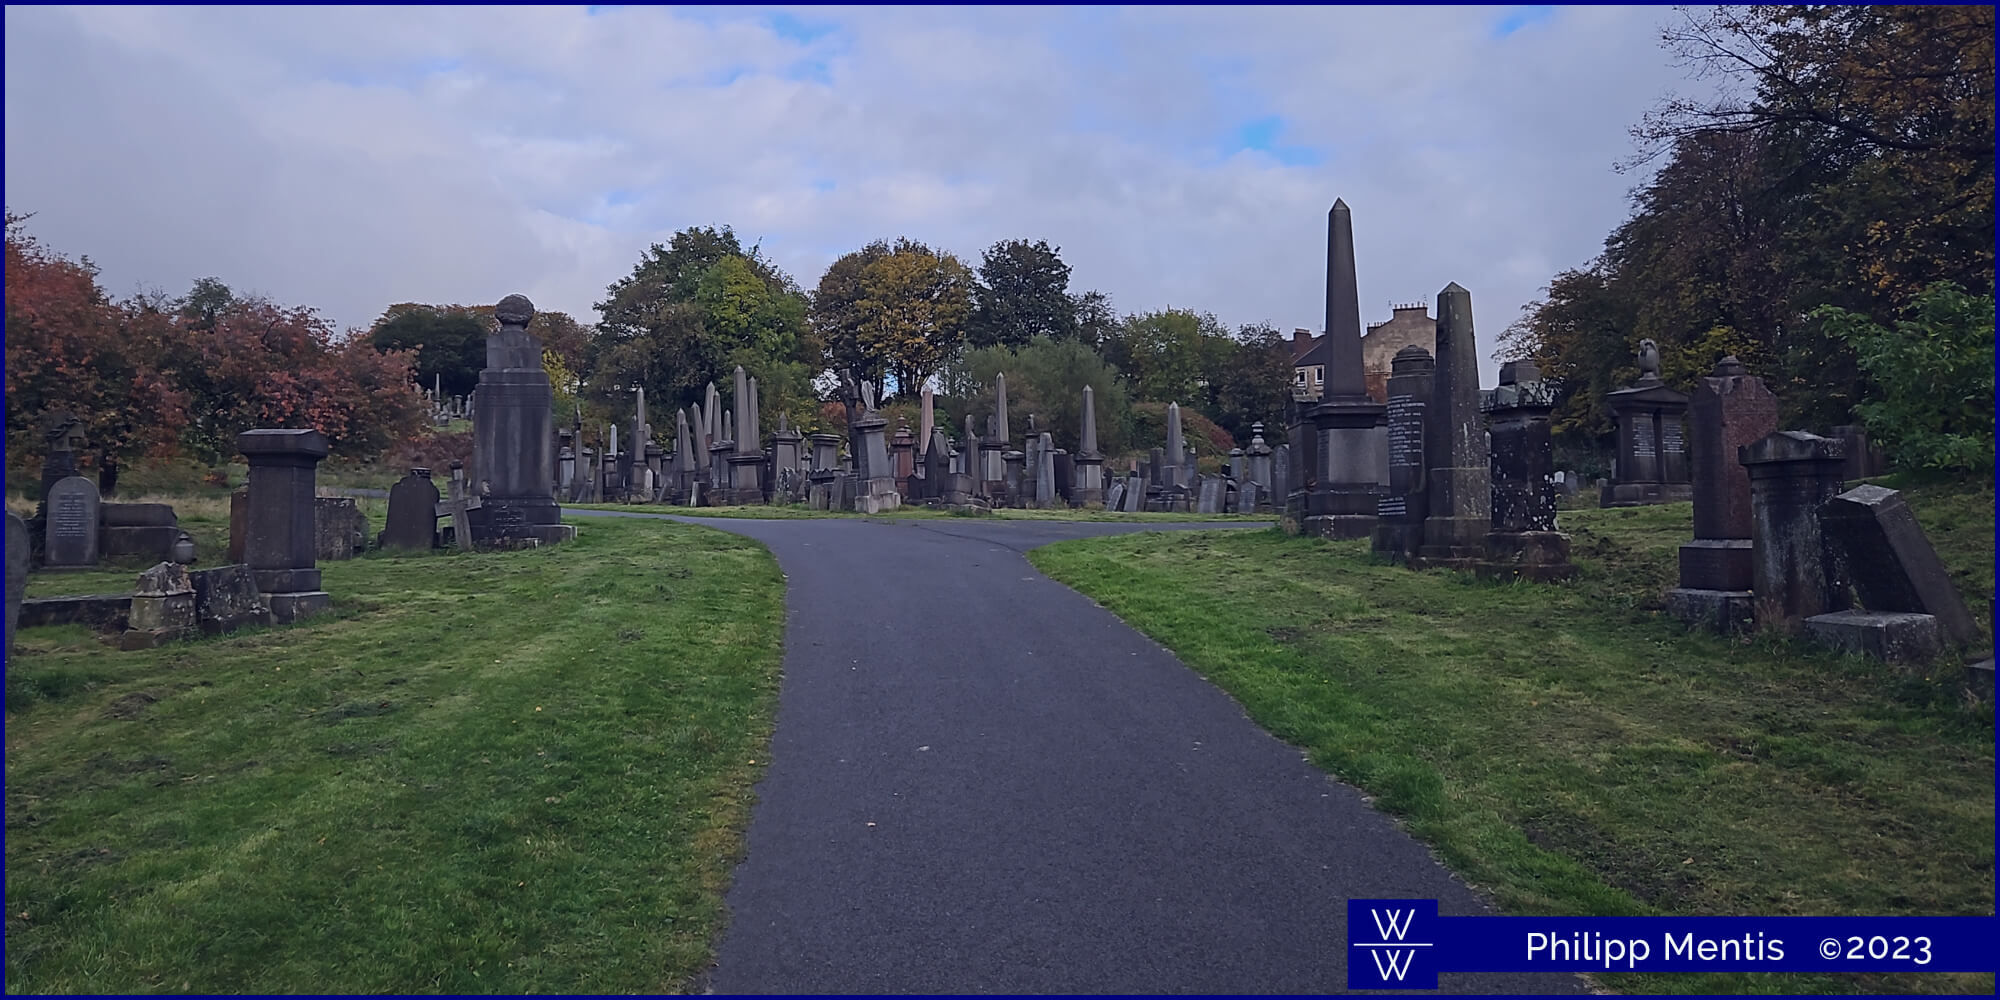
{"x":347,"y":159}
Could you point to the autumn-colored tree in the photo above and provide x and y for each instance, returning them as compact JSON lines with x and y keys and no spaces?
{"x":70,"y":348}
{"x":895,"y":313}
{"x":1022,"y":293}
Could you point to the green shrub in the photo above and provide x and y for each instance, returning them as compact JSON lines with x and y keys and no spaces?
{"x":1934,"y":408}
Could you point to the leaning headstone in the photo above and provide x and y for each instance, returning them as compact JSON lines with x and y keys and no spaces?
{"x":1796,"y":571}
{"x":1135,"y":495}
{"x":1894,"y":566}
{"x":412,"y":519}
{"x":17,"y":576}
{"x":459,"y":505}
{"x":163,"y":607}
{"x":1730,"y":409}
{"x":283,"y":468}
{"x":1246,"y":497}
{"x":1209,"y":495}
{"x":1114,"y":498}
{"x":70,"y":540}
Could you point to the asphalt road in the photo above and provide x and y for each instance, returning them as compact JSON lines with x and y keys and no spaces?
{"x":983,"y":782}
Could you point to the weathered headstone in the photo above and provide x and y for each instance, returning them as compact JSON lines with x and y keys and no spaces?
{"x":1400,"y":513}
{"x":746,"y":464}
{"x":1172,"y":474}
{"x":1209,"y":495}
{"x":1797,"y":571}
{"x":1651,"y":463}
{"x":339,"y":530}
{"x":226,"y":599}
{"x":1281,"y":477}
{"x":163,"y":607}
{"x":1894,"y":566}
{"x":1729,"y":409}
{"x":513,"y":433}
{"x":1460,"y":479}
{"x":1350,"y":450}
{"x":1524,"y":543}
{"x":1135,"y":495}
{"x":1891,"y":636}
{"x":284,"y":464}
{"x":412,"y":517}
{"x":458,"y":505}
{"x":1114,"y":498}
{"x":1045,"y":471}
{"x":17,"y":576}
{"x":1089,"y":485}
{"x":1246,"y":497}
{"x":70,"y":537}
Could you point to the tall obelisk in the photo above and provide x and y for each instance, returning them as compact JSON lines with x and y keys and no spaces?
{"x":1351,"y":453}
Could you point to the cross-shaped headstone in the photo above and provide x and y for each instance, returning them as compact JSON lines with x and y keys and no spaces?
{"x":457,"y":507}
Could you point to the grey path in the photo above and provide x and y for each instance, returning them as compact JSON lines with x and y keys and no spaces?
{"x":983,"y":782}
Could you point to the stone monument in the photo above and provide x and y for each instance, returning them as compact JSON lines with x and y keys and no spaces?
{"x":1651,"y":463}
{"x":1797,"y":572}
{"x":70,"y":533}
{"x":1524,"y":543}
{"x":1460,"y":475}
{"x":1350,"y":451}
{"x":1730,"y":409}
{"x":513,"y":435}
{"x":1400,"y":513}
{"x":280,"y":546}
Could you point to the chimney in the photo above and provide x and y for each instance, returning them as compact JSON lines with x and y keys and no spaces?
{"x":1301,"y":337}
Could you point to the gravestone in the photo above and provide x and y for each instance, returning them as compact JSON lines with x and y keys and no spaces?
{"x":746,"y":463}
{"x":1350,"y":450}
{"x":163,"y":608}
{"x":1114,"y":498}
{"x":513,"y":435}
{"x":17,"y":576}
{"x":1045,"y":471}
{"x":1281,"y":476}
{"x":1460,"y":479}
{"x":458,"y":505}
{"x":1650,"y":465}
{"x":338,"y":528}
{"x":1246,"y":497}
{"x":1065,"y":467}
{"x":1729,"y":409}
{"x":1172,"y":473}
{"x":1089,"y":483}
{"x":1524,"y":543}
{"x":1209,"y":500}
{"x":148,"y":530}
{"x":226,"y":599}
{"x":1797,"y":572}
{"x":239,"y":522}
{"x":1135,"y":495}
{"x":412,"y":519}
{"x":1893,"y":565}
{"x":1400,"y":513}
{"x":1890,"y":636}
{"x":284,"y":464}
{"x":70,"y":537}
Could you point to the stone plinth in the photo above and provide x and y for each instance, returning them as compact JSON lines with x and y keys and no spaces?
{"x":163,"y":608}
{"x":1891,"y":636}
{"x":281,"y":543}
{"x":1524,"y":543}
{"x":1797,"y":571}
{"x":137,"y":529}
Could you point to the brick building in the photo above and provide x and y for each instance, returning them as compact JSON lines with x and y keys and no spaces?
{"x":1406,"y":325}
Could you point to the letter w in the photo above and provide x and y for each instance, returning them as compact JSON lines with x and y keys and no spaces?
{"x":1395,"y":928}
{"x":1392,"y":963}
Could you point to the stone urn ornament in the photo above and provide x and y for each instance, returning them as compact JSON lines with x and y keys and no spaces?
{"x":183,"y":550}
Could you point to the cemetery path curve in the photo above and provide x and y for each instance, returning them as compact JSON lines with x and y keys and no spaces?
{"x":981,"y":781}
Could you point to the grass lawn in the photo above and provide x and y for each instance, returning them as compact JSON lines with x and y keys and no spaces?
{"x":789,"y":511}
{"x":506,"y":772}
{"x":1572,"y":750}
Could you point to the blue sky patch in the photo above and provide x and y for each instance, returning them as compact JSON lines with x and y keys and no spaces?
{"x":1522,"y":17}
{"x":1262,"y":135}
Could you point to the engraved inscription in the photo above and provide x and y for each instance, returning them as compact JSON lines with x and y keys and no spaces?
{"x":1642,"y":440}
{"x":68,"y":519}
{"x":1670,"y":438}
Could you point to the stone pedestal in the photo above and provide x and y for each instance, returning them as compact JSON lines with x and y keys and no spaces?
{"x":1012,"y":463}
{"x":746,"y":478}
{"x":1524,"y":543}
{"x":1400,"y":513}
{"x":163,"y":608}
{"x":1729,"y":410}
{"x":1890,"y":636}
{"x":513,"y":436}
{"x":282,"y":536}
{"x":903,"y":458}
{"x":1797,"y":572}
{"x":1352,"y":457}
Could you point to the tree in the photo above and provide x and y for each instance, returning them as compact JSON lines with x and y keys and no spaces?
{"x":1249,"y":379}
{"x":1163,"y":353}
{"x":1935,"y":409}
{"x":448,"y":342}
{"x":1045,"y":377}
{"x":691,"y":311}
{"x":1096,"y":322}
{"x":897,"y":311}
{"x":68,"y":347}
{"x":1022,"y":293}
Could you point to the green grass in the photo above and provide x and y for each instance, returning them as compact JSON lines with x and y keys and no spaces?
{"x":791,"y":511}
{"x":1572,"y":750}
{"x":505,"y":772}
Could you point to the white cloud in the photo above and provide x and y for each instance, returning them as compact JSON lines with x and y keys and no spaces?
{"x":348,"y":159}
